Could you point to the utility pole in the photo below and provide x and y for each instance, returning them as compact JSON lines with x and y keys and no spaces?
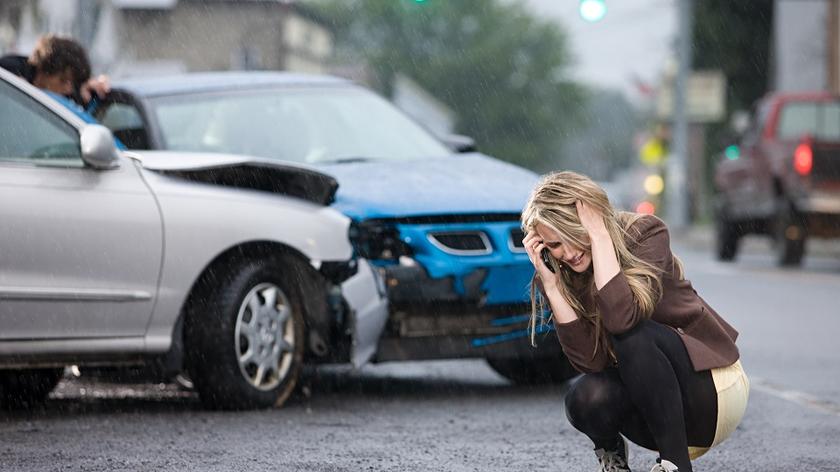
{"x":677,"y":181}
{"x":833,"y":40}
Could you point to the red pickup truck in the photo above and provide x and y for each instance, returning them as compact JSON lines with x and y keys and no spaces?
{"x":783,"y":180}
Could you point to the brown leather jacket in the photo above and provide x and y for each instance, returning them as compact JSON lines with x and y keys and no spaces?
{"x":709,"y":340}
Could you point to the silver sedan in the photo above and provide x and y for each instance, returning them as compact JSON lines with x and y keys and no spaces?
{"x":233,"y":267}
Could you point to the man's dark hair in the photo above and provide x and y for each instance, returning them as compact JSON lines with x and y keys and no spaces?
{"x":54,"y":55}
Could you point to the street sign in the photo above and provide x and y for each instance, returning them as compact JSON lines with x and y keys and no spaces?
{"x":705,"y":97}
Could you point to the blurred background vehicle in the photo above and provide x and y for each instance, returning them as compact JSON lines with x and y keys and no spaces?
{"x":440,"y":223}
{"x":783,"y":177}
{"x":231,"y":267}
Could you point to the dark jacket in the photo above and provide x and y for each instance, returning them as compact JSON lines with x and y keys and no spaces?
{"x":709,"y":340}
{"x":18,"y":65}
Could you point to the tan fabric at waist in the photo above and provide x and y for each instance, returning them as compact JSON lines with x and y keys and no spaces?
{"x":733,"y":390}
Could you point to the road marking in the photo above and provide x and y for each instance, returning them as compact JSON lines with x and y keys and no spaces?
{"x":800,"y":398}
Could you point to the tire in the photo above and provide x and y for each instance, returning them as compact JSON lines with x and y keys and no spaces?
{"x":726,"y":236}
{"x":789,"y":234}
{"x":236,"y":358}
{"x":533,"y":371}
{"x":27,"y":387}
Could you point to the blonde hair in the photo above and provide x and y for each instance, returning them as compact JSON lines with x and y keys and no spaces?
{"x":552,"y":203}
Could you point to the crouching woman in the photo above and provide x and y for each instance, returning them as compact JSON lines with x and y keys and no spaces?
{"x":661,"y":366}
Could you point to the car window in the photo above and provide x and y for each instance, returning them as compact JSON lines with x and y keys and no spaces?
{"x":818,"y":119}
{"x":293,"y":124}
{"x":29,"y":132}
{"x":125,"y":122}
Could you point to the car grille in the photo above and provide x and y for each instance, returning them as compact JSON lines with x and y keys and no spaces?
{"x":515,"y":241}
{"x":462,"y":243}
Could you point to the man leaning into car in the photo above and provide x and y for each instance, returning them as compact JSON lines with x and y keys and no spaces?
{"x":61,"y":66}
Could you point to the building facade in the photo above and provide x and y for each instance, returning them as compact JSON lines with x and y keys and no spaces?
{"x":137,"y":37}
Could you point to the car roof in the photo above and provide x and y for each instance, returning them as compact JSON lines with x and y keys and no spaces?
{"x":199,"y":82}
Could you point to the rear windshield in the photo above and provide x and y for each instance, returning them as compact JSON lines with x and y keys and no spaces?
{"x":818,"y":119}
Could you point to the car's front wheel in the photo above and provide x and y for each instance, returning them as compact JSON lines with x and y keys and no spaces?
{"x":790,"y":235}
{"x":726,"y":235}
{"x":244,"y":335}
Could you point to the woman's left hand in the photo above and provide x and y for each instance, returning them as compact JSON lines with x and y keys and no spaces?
{"x":592,"y":220}
{"x":604,"y":260}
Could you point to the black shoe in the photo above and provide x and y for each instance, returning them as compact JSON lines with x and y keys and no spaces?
{"x":613,"y":461}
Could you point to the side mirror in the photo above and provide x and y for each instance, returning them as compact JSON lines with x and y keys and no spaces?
{"x":98,"y":148}
{"x":460,"y":143}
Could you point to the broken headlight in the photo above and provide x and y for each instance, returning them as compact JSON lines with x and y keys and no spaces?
{"x":378,"y":240}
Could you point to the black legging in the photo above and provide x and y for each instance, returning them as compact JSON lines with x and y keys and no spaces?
{"x":654,"y":397}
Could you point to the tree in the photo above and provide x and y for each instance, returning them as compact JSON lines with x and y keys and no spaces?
{"x":734,"y":36}
{"x":502,"y":71}
{"x":604,"y":142}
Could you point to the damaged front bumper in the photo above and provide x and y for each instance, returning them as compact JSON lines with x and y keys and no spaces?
{"x":434,"y":319}
{"x":365,"y":299}
{"x":458,"y":286}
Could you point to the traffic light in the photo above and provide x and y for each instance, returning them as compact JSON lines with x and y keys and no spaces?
{"x":593,"y":10}
{"x":732,"y":152}
{"x":646,"y":208}
{"x":654,"y":184}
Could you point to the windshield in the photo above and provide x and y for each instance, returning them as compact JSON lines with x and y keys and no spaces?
{"x":301,"y":125}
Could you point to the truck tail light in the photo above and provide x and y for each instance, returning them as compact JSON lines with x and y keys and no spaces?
{"x":803,"y":159}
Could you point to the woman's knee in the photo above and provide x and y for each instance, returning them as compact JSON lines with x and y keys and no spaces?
{"x":591,"y":396}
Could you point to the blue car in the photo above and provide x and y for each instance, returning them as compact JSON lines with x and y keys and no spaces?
{"x":440,"y":222}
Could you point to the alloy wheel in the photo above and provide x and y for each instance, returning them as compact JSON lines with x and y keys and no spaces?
{"x":265,"y":336}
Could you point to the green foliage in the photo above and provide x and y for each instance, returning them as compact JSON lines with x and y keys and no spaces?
{"x":734,"y":36}
{"x":604,"y":142}
{"x":502,"y":71}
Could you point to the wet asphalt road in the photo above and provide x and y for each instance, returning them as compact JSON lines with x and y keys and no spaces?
{"x":460,"y":415}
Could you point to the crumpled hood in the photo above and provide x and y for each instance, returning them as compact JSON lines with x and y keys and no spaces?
{"x":458,"y":184}
{"x":253,"y":173}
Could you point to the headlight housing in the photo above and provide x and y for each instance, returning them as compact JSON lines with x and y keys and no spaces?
{"x":378,"y":240}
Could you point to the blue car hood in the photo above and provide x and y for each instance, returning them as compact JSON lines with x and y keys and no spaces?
{"x":458,"y":184}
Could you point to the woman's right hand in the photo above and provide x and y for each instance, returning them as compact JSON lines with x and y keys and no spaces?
{"x":534,"y":246}
{"x":560,"y":307}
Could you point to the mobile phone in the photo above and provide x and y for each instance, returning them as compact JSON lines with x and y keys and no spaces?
{"x":547,"y":259}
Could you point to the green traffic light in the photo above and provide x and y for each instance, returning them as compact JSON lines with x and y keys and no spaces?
{"x":593,"y":10}
{"x":732,"y":152}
